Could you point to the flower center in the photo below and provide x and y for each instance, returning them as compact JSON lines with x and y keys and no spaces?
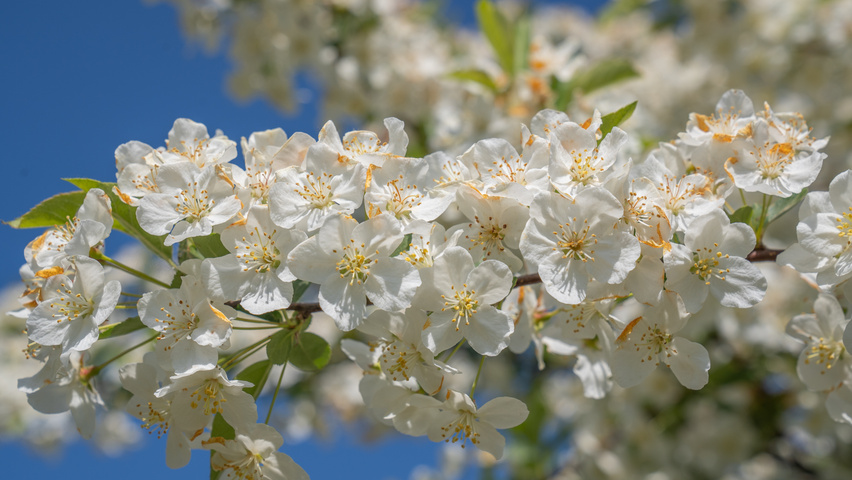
{"x":463,"y":303}
{"x":397,"y":360}
{"x":402,"y":199}
{"x":154,"y":420}
{"x":826,"y":353}
{"x":193,"y":152}
{"x":462,"y":428}
{"x":246,"y":468}
{"x":509,"y":170}
{"x":178,"y":322}
{"x":584,"y":165}
{"x":193,"y":202}
{"x":69,"y":305}
{"x":355,"y":264}
{"x":772,"y":162}
{"x":490,"y":235}
{"x":705,"y":264}
{"x":844,"y":225}
{"x":209,"y":396}
{"x":360,"y":143}
{"x":573,"y":244}
{"x":258,"y":252}
{"x":316,"y":190}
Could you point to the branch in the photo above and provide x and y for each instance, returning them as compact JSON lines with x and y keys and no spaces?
{"x":759,"y":254}
{"x":763,"y":254}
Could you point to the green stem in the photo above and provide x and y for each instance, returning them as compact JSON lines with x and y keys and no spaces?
{"x":252,"y":320}
{"x":742,"y":196}
{"x":134,"y":295}
{"x":257,"y":328}
{"x":94,"y":371}
{"x":458,"y":346}
{"x":228,"y":362}
{"x":760,"y":226}
{"x":275,"y":395}
{"x":476,"y":380}
{"x":124,"y":268}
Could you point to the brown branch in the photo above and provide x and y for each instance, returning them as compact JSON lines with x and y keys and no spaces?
{"x":763,"y":254}
{"x":529,"y":279}
{"x":759,"y":254}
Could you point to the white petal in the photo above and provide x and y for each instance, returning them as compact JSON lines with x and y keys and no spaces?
{"x":689,"y":362}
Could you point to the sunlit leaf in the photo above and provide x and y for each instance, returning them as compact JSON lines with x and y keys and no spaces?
{"x":122,"y":328}
{"x":125,"y":217}
{"x":311,"y":352}
{"x":616,"y":118}
{"x":497,"y":30}
{"x":476,"y":76}
{"x":49,"y":212}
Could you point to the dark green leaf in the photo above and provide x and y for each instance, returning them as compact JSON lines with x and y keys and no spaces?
{"x":255,"y":373}
{"x":299,"y":287}
{"x":742,"y":215}
{"x":279,"y":346}
{"x":221,"y":428}
{"x":125,"y":217}
{"x":783,"y":205}
{"x":616,"y":118}
{"x":210,"y":246}
{"x":310,"y":352}
{"x":406,"y":242}
{"x":177,"y":279}
{"x":477,"y":76}
{"x":52,"y":211}
{"x":497,"y":30}
{"x":123,"y":328}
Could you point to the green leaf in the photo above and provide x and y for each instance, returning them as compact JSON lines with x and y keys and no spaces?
{"x":255,"y":373}
{"x":783,"y":205}
{"x":742,"y":215}
{"x":221,"y":428}
{"x":522,"y":42}
{"x":602,"y":74}
{"x":122,"y":328}
{"x":621,"y":8}
{"x":279,"y":346}
{"x":310,"y":352}
{"x":124,"y":216}
{"x":406,"y":242}
{"x":497,"y":30}
{"x":757,"y":210}
{"x":210,"y":246}
{"x":477,"y":76}
{"x":299,"y":288}
{"x":177,"y":280}
{"x":616,"y":118}
{"x":49,"y":212}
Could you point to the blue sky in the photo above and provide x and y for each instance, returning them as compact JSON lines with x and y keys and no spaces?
{"x":81,"y":78}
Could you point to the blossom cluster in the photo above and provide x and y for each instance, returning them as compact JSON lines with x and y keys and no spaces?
{"x":561,"y":242}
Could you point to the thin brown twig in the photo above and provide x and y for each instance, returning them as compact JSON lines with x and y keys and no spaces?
{"x":759,"y":254}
